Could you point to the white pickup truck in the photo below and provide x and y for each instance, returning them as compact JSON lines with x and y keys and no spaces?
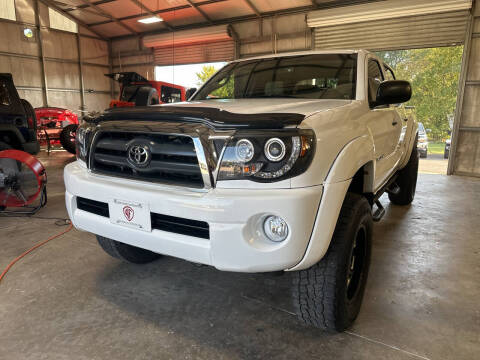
{"x":275,"y":164}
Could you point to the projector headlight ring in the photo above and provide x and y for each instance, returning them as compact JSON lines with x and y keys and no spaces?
{"x":261,"y":157}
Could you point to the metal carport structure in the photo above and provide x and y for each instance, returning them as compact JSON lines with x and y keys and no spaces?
{"x":67,"y":68}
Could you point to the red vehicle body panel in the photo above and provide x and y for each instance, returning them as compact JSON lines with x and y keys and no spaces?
{"x":155,"y":84}
{"x":51,"y":121}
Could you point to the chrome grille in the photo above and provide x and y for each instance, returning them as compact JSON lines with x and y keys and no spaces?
{"x":173,"y":159}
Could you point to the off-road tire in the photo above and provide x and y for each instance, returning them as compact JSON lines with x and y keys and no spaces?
{"x":322,"y":295}
{"x":66,"y":138}
{"x":125,"y":252}
{"x":407,"y":180}
{"x":146,"y":96}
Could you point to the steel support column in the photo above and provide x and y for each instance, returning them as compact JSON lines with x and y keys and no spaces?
{"x":40,"y":52}
{"x":80,"y":72}
{"x":460,"y":96}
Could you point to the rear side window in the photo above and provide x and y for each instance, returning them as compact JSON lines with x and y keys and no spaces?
{"x":375,"y":77}
{"x":129,"y":93}
{"x":170,"y":94}
{"x":4,"y":95}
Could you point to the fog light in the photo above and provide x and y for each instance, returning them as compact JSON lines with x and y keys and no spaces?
{"x":275,"y":228}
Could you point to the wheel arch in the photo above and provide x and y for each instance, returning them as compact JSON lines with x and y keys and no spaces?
{"x":354,"y":168}
{"x":355,"y":161}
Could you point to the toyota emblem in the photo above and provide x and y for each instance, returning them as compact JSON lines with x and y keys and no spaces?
{"x":139,"y":155}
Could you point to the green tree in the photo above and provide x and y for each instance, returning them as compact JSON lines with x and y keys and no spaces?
{"x":205,"y":74}
{"x":225,"y":89}
{"x":434,"y":75}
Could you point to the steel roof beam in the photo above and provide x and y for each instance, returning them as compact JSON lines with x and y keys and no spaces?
{"x":84,"y":6}
{"x":253,"y":8}
{"x":71,"y":17}
{"x":150,"y":12}
{"x":203,"y":13}
{"x":103,"y":12}
{"x":156,"y":12}
{"x":228,"y":21}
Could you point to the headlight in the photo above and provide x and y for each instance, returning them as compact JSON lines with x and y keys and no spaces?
{"x":82,"y":141}
{"x":266,"y":158}
{"x":244,"y":150}
{"x":275,"y":149}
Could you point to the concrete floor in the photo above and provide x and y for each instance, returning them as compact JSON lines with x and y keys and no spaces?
{"x":433,"y":164}
{"x":69,"y":300}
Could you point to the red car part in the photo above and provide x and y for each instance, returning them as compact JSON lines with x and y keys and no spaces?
{"x":132,"y":79}
{"x":55,"y":126}
{"x":22,"y":178}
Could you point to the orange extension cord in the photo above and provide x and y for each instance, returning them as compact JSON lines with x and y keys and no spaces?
{"x":33,"y":248}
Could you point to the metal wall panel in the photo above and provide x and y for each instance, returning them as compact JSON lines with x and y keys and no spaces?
{"x":122,"y":60}
{"x":25,"y":71}
{"x":62,"y":75}
{"x":25,"y":11}
{"x":12,"y":40}
{"x":94,"y":51}
{"x":198,"y":53}
{"x":273,"y":35}
{"x":125,"y":45}
{"x":97,"y":102}
{"x":59,"y":45}
{"x":408,"y":32}
{"x":65,"y":99}
{"x":34,"y":97}
{"x":94,"y":78}
{"x":465,"y":152}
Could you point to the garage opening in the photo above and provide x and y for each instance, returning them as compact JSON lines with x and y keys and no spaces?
{"x":434,"y":74}
{"x":189,"y":76}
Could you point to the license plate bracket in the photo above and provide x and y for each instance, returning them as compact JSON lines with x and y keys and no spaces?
{"x":132,"y":214}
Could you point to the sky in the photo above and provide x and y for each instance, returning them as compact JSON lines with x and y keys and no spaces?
{"x":184,"y":75}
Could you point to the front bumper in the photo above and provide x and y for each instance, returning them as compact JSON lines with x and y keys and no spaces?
{"x":234,"y":216}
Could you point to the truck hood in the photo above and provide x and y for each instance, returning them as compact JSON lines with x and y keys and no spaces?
{"x":304,"y":107}
{"x":229,"y":114}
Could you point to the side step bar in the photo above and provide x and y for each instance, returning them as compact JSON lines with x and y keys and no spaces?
{"x":378,"y":214}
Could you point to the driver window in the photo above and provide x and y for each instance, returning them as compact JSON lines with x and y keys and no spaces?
{"x":375,"y":77}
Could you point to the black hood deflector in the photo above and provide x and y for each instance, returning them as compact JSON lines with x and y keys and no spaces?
{"x":212,"y":117}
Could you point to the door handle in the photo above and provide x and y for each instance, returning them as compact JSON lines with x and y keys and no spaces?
{"x":394,"y":123}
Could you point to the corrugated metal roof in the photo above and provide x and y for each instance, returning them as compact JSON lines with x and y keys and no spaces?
{"x":112,"y":18}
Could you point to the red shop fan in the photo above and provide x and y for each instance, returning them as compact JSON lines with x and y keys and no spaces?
{"x":22,"y":180}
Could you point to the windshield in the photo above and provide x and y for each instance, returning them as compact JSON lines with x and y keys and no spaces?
{"x":319,"y":76}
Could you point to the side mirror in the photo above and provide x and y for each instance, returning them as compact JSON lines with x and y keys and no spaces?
{"x":189,"y":93}
{"x":393,"y":92}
